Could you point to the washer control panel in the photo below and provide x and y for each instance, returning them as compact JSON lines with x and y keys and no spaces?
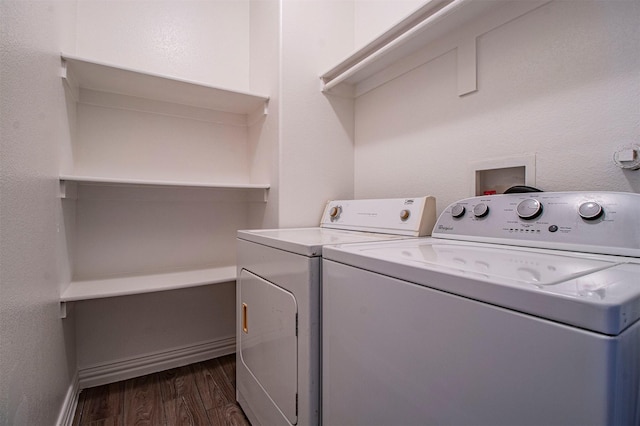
{"x":593,"y":222}
{"x":401,"y":216}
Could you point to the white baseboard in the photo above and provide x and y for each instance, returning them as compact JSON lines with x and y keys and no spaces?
{"x":68,"y":410}
{"x":129,"y":368}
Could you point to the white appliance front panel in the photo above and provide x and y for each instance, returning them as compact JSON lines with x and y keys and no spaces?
{"x":438,"y":358}
{"x":299,"y":275}
{"x":595,"y":292}
{"x":268,"y":346}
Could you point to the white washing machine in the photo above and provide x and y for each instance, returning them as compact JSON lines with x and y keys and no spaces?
{"x":521,"y":309}
{"x":278,"y":302}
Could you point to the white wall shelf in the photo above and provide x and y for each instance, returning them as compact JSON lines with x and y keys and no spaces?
{"x":81,"y":73}
{"x":419,"y":38}
{"x":68,"y":185}
{"x":126,"y":286}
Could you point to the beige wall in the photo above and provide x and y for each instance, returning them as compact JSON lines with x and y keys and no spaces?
{"x":373,"y":17}
{"x":560,"y":83}
{"x":206,"y":41}
{"x":37,"y":353}
{"x":316,"y":132}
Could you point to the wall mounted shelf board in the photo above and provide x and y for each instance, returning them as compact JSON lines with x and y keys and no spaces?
{"x":97,"y":180}
{"x":419,"y":38}
{"x":81,"y":73}
{"x":125,"y":286}
{"x":68,"y":185}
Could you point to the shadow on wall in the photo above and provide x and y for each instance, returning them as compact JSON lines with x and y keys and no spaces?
{"x":633,"y":177}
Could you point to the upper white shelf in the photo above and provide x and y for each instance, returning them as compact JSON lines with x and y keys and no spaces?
{"x":410,"y":36}
{"x":82,"y":73}
{"x":69,"y":191}
{"x":97,"y":180}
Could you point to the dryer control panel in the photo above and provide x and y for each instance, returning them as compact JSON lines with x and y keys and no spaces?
{"x":400,"y":216}
{"x":591,"y":222}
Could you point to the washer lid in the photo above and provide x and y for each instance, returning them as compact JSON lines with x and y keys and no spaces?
{"x":309,"y":241}
{"x":595,"y":292}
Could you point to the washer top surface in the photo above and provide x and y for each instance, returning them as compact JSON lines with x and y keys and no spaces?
{"x":309,"y":241}
{"x":573,"y":257}
{"x":595,"y":292}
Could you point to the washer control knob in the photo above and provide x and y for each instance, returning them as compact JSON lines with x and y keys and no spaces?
{"x":334,"y":212}
{"x":481,"y":210}
{"x":590,"y":210}
{"x":458,"y":210}
{"x":529,"y":209}
{"x":404,"y":214}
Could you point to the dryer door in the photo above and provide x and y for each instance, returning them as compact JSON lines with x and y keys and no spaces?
{"x":268,"y":341}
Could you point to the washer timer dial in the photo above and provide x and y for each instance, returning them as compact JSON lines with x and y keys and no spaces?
{"x":529,"y":209}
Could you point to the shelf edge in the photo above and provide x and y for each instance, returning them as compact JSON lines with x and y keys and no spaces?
{"x":215,"y":276}
{"x":72,"y":63}
{"x":96,"y":180}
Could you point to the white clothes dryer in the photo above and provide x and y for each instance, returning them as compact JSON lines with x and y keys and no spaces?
{"x":521,"y":309}
{"x":278,"y":302}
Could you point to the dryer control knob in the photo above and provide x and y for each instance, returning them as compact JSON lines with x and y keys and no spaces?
{"x":529,"y":209}
{"x":334,"y":212}
{"x":590,"y":210}
{"x":481,"y":210}
{"x":458,"y":210}
{"x":404,"y":214}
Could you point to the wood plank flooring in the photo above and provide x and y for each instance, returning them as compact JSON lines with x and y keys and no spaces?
{"x":197,"y":394}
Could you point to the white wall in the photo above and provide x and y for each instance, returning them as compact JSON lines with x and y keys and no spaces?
{"x":206,"y":41}
{"x":37,"y":354}
{"x":561,"y":82}
{"x":373,"y":17}
{"x":149,"y":324}
{"x":264,"y":77}
{"x":129,"y":231}
{"x":316,"y":132}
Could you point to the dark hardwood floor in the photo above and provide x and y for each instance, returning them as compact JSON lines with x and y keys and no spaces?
{"x":197,"y":394}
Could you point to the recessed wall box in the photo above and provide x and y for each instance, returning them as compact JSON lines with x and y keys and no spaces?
{"x":497,"y":175}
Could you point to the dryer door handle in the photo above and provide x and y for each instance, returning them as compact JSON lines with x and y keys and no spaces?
{"x":245,"y":327}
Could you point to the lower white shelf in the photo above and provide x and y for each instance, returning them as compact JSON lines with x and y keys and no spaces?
{"x":125,"y":286}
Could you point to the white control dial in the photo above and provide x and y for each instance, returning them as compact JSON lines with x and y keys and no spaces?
{"x":590,"y":210}
{"x":334,"y":212}
{"x":481,"y":210}
{"x":404,"y":214}
{"x":529,"y":209}
{"x":458,"y":210}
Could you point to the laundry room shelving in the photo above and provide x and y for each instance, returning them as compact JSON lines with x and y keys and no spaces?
{"x":115,"y":88}
{"x":153,"y":162}
{"x":81,"y":73}
{"x":418,"y":38}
